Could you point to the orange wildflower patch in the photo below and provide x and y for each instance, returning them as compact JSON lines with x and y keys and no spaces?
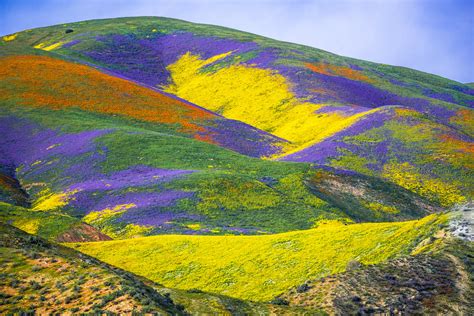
{"x":204,"y":138}
{"x":464,"y":146}
{"x":42,"y":81}
{"x":464,"y":117}
{"x":339,"y":71}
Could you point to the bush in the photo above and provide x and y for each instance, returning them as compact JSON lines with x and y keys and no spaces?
{"x":353,"y":265}
{"x":60,"y":286}
{"x":195,"y":291}
{"x":14,"y":283}
{"x":35,"y":285}
{"x":279,"y":301}
{"x":35,"y":268}
{"x":303,"y":288}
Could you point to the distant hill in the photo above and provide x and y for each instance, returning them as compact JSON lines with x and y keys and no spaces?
{"x":142,"y":126}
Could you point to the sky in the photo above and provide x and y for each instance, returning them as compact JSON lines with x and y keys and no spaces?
{"x":435,"y":36}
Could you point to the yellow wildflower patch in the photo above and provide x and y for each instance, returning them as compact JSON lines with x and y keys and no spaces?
{"x":406,"y":175}
{"x":37,"y":162}
{"x":46,"y":47}
{"x":8,"y":38}
{"x":259,"y":97}
{"x":28,"y":225}
{"x":196,"y":226}
{"x":261,"y":267}
{"x":98,"y":217}
{"x":49,"y":201}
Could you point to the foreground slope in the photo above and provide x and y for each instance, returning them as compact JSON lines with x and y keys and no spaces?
{"x":261,"y":267}
{"x":440,"y":283}
{"x":44,"y":278}
{"x":41,"y":277}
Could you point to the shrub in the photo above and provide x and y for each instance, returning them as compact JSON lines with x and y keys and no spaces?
{"x":194,"y":291}
{"x":353,"y":265}
{"x":279,"y":301}
{"x":303,"y":288}
{"x":14,"y":283}
{"x":35,"y":285}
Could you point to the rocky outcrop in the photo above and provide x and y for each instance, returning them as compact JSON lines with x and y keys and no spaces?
{"x":82,"y":232}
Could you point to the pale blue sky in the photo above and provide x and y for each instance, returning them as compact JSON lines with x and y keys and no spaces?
{"x":435,"y":36}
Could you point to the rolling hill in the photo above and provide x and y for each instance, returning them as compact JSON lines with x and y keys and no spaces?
{"x":187,"y":99}
{"x":261,"y":267}
{"x":227,"y":166}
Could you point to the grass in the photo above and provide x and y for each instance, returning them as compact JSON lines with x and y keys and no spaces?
{"x":261,"y":267}
{"x":48,"y":225}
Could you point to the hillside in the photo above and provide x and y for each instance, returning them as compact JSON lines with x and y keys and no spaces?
{"x":196,"y":169}
{"x":43,"y":277}
{"x":261,"y":267}
{"x":157,"y":113}
{"x":438,"y":283}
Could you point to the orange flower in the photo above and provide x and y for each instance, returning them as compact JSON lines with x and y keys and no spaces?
{"x":57,"y":84}
{"x":339,"y":71}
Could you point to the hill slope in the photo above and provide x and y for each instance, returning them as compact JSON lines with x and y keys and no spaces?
{"x":41,"y":277}
{"x":435,"y":283}
{"x":309,"y":105}
{"x":133,"y":127}
{"x":261,"y":267}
